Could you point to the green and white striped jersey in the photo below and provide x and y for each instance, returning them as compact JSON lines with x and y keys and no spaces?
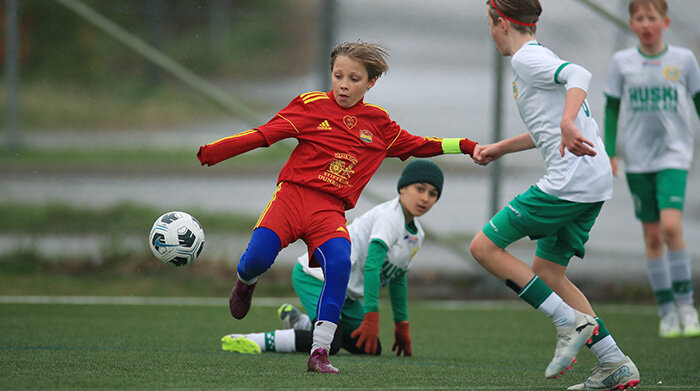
{"x":656,"y":95}
{"x":540,"y":95}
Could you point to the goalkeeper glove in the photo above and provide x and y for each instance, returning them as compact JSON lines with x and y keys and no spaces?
{"x":402,"y":339}
{"x":368,"y":333}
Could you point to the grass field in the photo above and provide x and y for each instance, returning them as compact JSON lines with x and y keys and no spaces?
{"x":156,"y":344}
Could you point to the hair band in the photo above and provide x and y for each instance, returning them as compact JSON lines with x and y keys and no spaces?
{"x":493,"y":3}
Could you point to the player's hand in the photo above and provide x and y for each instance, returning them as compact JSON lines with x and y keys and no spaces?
{"x":613,"y":164}
{"x":485,"y":154}
{"x":402,"y":339}
{"x":368,"y":333}
{"x":573,"y":140}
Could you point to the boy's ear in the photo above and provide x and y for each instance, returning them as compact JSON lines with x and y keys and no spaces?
{"x":667,"y":22}
{"x":371,"y":83}
{"x":503,"y":24}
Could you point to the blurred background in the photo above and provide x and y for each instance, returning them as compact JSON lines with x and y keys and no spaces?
{"x":106,"y":104}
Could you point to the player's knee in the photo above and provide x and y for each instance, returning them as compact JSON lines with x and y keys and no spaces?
{"x":670,"y":231}
{"x":260,"y":254}
{"x":479,"y":247}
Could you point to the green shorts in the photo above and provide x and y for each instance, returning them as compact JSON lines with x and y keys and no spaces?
{"x":560,"y":227}
{"x":655,"y":191}
{"x":309,"y":288}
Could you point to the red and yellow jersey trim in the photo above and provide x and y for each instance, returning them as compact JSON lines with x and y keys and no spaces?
{"x":247,"y":132}
{"x":378,"y":107}
{"x":290,"y":122}
{"x":313,"y":96}
{"x":267,"y":207}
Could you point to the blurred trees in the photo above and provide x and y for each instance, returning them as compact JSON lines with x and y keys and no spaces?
{"x":214,"y":38}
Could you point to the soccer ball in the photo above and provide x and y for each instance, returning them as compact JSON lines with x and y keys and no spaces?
{"x":176,"y":238}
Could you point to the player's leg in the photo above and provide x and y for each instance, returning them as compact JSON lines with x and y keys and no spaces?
{"x":510,"y":224}
{"x":670,"y":195}
{"x":334,"y":258}
{"x":553,"y":254}
{"x":261,"y":252}
{"x":643,"y":188}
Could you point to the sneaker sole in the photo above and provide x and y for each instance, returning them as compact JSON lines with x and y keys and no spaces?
{"x":240,"y":345}
{"x":629,"y":384}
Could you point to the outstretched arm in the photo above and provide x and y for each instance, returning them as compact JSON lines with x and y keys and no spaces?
{"x":484,"y":154}
{"x":229,"y":147}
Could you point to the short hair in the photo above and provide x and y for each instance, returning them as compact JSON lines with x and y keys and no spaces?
{"x":372,"y":55}
{"x":659,"y":5}
{"x":523,"y":11}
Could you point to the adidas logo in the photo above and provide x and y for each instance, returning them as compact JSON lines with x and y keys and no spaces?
{"x":324,"y":126}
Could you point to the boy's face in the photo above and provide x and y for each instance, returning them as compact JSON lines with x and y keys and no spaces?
{"x":350,"y":81}
{"x":417,"y":198}
{"x":649,"y":25}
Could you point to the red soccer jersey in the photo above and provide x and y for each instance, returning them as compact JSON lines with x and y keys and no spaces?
{"x":340,"y":149}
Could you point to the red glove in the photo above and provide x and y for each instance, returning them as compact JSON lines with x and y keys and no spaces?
{"x":368,"y":333}
{"x":402,"y":339}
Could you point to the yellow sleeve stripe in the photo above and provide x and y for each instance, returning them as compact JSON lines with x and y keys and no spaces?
{"x":247,"y":132}
{"x":290,"y":122}
{"x":306,"y":94}
{"x":394,"y":140}
{"x":451,"y":145}
{"x":379,"y":107}
{"x":313,"y":99}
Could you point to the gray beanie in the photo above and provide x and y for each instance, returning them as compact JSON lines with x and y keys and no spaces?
{"x":422,"y":170}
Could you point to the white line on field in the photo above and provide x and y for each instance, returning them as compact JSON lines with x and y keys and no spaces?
{"x":448,"y":305}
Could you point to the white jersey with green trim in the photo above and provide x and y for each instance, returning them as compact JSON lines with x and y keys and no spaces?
{"x":384,"y":222}
{"x":540,"y":98}
{"x":656,"y":95}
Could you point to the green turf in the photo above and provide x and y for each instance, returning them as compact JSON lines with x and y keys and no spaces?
{"x":149,"y":347}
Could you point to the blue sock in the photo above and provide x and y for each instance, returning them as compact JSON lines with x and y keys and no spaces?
{"x":334,"y":257}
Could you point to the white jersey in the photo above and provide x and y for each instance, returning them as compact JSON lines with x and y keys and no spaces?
{"x":385,"y":222}
{"x":540,"y":97}
{"x":656,"y":95}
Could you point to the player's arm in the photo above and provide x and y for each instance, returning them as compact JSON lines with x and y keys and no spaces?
{"x":368,"y":333}
{"x":231,"y":146}
{"x":576,"y":79}
{"x":485,"y":154}
{"x":405,"y":145}
{"x":612,"y":114}
{"x":398,"y":295}
{"x":284,"y":124}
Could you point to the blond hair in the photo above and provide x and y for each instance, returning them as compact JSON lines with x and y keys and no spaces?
{"x":372,"y":55}
{"x":660,"y":5}
{"x":522,"y":11}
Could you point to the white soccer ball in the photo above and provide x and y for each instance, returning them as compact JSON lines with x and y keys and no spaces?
{"x":176,"y":238}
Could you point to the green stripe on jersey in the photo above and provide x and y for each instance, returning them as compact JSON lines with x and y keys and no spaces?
{"x":556,"y":74}
{"x":450,"y":145}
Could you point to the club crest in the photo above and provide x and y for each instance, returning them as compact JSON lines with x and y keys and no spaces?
{"x":366,"y":135}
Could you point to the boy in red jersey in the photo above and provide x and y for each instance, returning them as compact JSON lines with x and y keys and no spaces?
{"x":342,"y":143}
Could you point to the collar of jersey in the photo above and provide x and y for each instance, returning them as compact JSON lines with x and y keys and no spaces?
{"x":639,"y":50}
